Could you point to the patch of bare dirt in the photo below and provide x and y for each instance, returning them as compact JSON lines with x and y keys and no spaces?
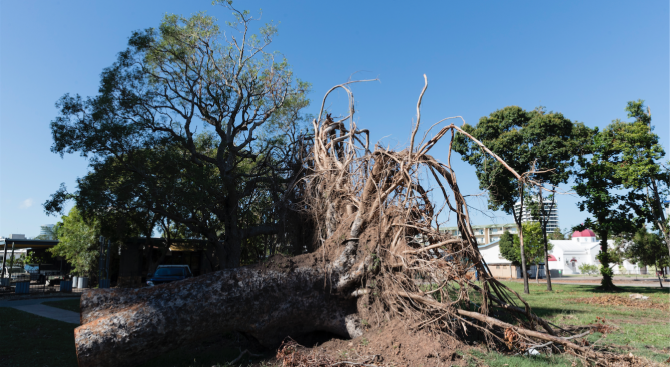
{"x":391,"y":345}
{"x":610,"y":300}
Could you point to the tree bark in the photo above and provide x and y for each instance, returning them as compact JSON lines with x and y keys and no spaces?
{"x":519,"y":227}
{"x":605,"y":271}
{"x":124,"y":327}
{"x":545,"y":220}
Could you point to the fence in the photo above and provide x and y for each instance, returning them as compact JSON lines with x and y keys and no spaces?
{"x":531,"y":270}
{"x":37,"y":282}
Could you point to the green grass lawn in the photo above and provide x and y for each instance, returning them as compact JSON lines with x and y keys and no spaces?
{"x":643,"y":332}
{"x":207,"y":353}
{"x":69,"y":304}
{"x":30,"y":340}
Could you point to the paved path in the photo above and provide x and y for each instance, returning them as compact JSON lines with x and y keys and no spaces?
{"x":36,"y":307}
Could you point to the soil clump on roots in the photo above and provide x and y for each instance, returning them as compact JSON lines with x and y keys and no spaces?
{"x":390,"y":345}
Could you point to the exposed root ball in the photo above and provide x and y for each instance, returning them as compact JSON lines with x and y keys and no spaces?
{"x":378,"y":229}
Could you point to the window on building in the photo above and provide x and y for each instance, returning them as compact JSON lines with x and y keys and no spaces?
{"x":480,"y":231}
{"x":494,"y":230}
{"x":497,"y":266}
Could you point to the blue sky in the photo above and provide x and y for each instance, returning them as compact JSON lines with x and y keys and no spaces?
{"x":584,"y":59}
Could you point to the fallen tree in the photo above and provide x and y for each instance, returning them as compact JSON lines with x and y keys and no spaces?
{"x":378,"y":247}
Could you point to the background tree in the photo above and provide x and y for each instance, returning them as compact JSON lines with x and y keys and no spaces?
{"x":78,"y":242}
{"x":169,"y":83}
{"x":535,"y":247}
{"x":540,"y":212}
{"x":508,"y":250}
{"x":49,"y":233}
{"x":535,"y":142}
{"x":641,"y":154}
{"x":647,"y":249}
{"x":557,"y":235}
{"x":510,"y":246}
{"x":601,"y":187}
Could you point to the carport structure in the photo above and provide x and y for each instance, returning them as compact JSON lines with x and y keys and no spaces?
{"x":24,"y":281}
{"x":15,"y":244}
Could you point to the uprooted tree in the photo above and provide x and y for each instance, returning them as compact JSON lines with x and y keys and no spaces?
{"x":377,"y":246}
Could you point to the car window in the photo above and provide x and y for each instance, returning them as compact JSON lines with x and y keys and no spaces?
{"x":170,"y":272}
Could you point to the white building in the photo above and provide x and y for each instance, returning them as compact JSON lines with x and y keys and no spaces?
{"x":484,"y":233}
{"x":565,"y":257}
{"x":551,"y":217}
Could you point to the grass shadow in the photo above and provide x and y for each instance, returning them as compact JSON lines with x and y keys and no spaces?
{"x":28,"y":340}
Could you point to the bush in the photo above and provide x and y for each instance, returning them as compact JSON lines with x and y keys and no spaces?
{"x":588,"y":269}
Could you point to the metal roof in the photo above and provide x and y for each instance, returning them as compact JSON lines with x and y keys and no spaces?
{"x":26,"y":243}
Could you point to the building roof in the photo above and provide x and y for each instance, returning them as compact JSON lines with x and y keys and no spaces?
{"x":585,"y":233}
{"x":483,"y":226}
{"x":488,"y":244}
{"x":574,"y":246}
{"x":22,"y":243}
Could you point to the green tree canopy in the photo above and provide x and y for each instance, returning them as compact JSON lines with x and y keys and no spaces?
{"x":508,"y":250}
{"x":610,"y":181}
{"x":641,"y":154}
{"x":528,"y":141}
{"x":78,"y":242}
{"x":188,"y":124}
{"x":557,"y":234}
{"x":647,"y":249}
{"x":510,"y":245}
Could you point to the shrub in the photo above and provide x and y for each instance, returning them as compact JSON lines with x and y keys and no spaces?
{"x":588,"y":269}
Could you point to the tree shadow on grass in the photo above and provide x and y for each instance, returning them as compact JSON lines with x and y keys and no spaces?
{"x":213,"y":351}
{"x":624,"y":289}
{"x":543,"y":312}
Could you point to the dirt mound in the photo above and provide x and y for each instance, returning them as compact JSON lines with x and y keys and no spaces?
{"x":392,"y":345}
{"x":610,"y":300}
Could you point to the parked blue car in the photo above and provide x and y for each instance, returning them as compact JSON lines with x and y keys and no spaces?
{"x":169,"y":273}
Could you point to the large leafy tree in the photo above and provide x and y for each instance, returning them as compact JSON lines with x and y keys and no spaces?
{"x":601,"y":186}
{"x":194,"y":123}
{"x":540,"y":144}
{"x":640,"y":155}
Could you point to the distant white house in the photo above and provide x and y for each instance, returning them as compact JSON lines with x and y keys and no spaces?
{"x":565,"y":258}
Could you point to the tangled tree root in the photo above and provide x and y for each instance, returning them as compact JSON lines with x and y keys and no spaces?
{"x":377,"y":224}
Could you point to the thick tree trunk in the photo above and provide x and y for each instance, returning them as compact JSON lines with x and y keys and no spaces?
{"x":230,"y":252}
{"x":526,"y":289}
{"x":123,"y":327}
{"x":547,"y":272}
{"x":605,"y":271}
{"x":519,"y":227}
